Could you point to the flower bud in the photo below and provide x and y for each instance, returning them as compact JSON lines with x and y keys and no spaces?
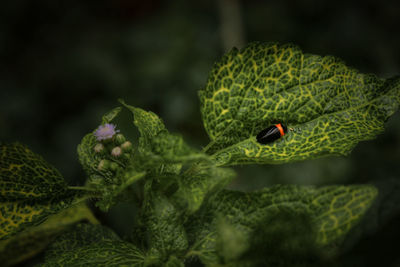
{"x":120,"y":138}
{"x":116,"y":151}
{"x":103,"y":165}
{"x":127,"y":146}
{"x":98,"y":148}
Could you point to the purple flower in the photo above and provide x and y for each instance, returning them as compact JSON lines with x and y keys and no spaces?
{"x":105,"y":131}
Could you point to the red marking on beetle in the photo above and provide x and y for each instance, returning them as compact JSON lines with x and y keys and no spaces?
{"x":280,"y":128}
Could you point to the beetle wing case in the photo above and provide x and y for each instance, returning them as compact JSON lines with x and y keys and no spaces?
{"x":268,"y":135}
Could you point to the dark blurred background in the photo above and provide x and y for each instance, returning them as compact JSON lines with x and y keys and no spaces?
{"x":65,"y":63}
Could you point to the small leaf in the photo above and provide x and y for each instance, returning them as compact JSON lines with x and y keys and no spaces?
{"x":199,"y":183}
{"x":88,"y":158}
{"x":108,"y":117}
{"x":159,"y":149}
{"x":109,"y":175}
{"x":330,"y":106}
{"x":92,"y":245}
{"x":148,"y":123}
{"x":174,"y":262}
{"x":332,"y":210}
{"x":164,"y":225}
{"x":26,"y":175}
{"x":35,"y":239}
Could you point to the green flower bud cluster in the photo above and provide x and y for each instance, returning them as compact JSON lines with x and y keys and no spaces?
{"x":113,"y":155}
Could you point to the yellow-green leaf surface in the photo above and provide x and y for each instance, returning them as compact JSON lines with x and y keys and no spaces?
{"x":17,"y":215}
{"x":35,"y":239}
{"x":93,"y":245}
{"x":26,"y":175}
{"x":328,"y":106}
{"x":333,"y":211}
{"x":31,"y":190}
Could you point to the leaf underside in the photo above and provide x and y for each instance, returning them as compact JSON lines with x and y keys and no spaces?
{"x":92,"y":245}
{"x":328,"y":106}
{"x":332,"y":212}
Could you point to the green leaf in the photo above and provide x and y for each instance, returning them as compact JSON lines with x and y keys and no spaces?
{"x":286,"y":237}
{"x":92,"y":245}
{"x":111,"y":195}
{"x":156,"y":144}
{"x":109,"y":116}
{"x":18,"y":215}
{"x":31,"y":190}
{"x":332,"y":210}
{"x":88,"y":158}
{"x":148,"y":123}
{"x":199,"y":183}
{"x":111,"y":181}
{"x":26,"y":175}
{"x":329,"y":106}
{"x":35,"y":239}
{"x":164,"y":224}
{"x":174,"y":262}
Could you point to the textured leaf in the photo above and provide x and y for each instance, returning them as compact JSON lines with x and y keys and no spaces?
{"x":286,"y":237}
{"x":157,"y":144}
{"x":17,"y":215}
{"x":26,"y":175}
{"x":88,"y":158}
{"x":92,"y":245}
{"x":174,"y":262}
{"x":333,"y":211}
{"x":199,"y":183}
{"x":31,"y":190}
{"x":164,"y":225}
{"x":109,"y":116}
{"x":330,"y":106}
{"x":148,"y":123}
{"x":109,"y":182}
{"x":35,"y":239}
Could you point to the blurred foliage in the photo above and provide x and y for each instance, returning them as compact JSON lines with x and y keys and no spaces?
{"x":64,"y":64}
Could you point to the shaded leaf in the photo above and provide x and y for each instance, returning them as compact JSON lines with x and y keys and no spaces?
{"x":284,"y":239}
{"x":35,"y":239}
{"x":330,"y":106}
{"x":18,"y":215}
{"x":332,"y":210}
{"x":88,"y":158}
{"x":26,"y":175}
{"x":164,"y":226}
{"x":199,"y":183}
{"x":117,"y":174}
{"x":109,"y":116}
{"x":156,"y":144}
{"x":174,"y":262}
{"x":31,"y":190}
{"x":92,"y":245}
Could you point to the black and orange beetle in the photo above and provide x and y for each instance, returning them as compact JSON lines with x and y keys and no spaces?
{"x":271,"y":133}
